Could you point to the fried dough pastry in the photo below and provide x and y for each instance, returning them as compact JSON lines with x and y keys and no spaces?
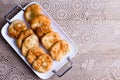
{"x":41,"y":31}
{"x":22,"y":36}
{"x":59,"y":49}
{"x":32,"y":11}
{"x":16,"y":27}
{"x":39,"y":21}
{"x":33,"y":53}
{"x":49,"y":39}
{"x":29,"y":42}
{"x":43,"y":63}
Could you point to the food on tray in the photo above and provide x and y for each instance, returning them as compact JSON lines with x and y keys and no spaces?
{"x":33,"y":53}
{"x":24,"y":34}
{"x":43,"y":63}
{"x":16,"y":27}
{"x":29,"y":42}
{"x":28,"y":39}
{"x":59,"y":49}
{"x":40,"y":20}
{"x":41,"y":31}
{"x":49,"y":39}
{"x":32,"y":11}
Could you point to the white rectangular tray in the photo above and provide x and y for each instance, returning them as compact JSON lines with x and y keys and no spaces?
{"x":56,"y":65}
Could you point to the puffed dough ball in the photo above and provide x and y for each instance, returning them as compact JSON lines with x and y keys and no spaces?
{"x":32,"y":11}
{"x":29,"y":42}
{"x":43,"y":63}
{"x":59,"y":49}
{"x":24,"y":34}
{"x":41,"y":31}
{"x":33,"y":53}
{"x":16,"y":27}
{"x":39,"y":21}
{"x":49,"y":39}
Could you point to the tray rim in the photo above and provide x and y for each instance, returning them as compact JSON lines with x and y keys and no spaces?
{"x":58,"y":26}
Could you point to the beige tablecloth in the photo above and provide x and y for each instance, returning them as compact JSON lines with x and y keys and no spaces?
{"x":92,"y":24}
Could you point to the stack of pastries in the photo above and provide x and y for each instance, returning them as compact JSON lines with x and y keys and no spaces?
{"x":40,"y":32}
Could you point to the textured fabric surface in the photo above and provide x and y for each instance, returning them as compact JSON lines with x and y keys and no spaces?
{"x":94,"y":25}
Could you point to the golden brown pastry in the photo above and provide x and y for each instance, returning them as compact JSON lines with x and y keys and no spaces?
{"x":33,"y":53}
{"x":16,"y":27}
{"x":32,"y":11}
{"x":43,"y":63}
{"x":29,"y":42}
{"x":49,"y":39}
{"x":41,"y":31}
{"x":39,"y":21}
{"x":22,"y":36}
{"x":59,"y":49}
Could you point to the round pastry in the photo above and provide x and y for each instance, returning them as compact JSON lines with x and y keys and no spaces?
{"x":49,"y":39}
{"x":41,"y":31}
{"x":59,"y":49}
{"x":32,"y":11}
{"x":29,"y":42}
{"x":33,"y":53}
{"x":22,"y":36}
{"x":39,"y":21}
{"x":16,"y":27}
{"x":43,"y":63}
